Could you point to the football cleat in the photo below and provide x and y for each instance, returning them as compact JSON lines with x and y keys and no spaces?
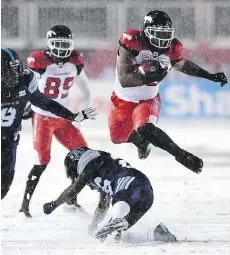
{"x":25,"y":212}
{"x":144,"y":150}
{"x":162,"y":234}
{"x":112,"y":226}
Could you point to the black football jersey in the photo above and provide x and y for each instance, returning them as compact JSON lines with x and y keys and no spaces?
{"x":13,"y":104}
{"x":110,"y":174}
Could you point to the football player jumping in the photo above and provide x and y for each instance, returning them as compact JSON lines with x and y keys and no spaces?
{"x":58,"y":68}
{"x":144,"y":59}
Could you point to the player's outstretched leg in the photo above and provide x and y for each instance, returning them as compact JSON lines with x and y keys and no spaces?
{"x":143,"y":146}
{"x":31,"y":184}
{"x":128,"y":206}
{"x":159,"y":234}
{"x":8,"y":160}
{"x":7,"y":176}
{"x":160,"y":139}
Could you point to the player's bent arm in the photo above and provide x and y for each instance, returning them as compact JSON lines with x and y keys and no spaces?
{"x":83,"y":84}
{"x":127,"y":69}
{"x":68,"y":193}
{"x":100,"y":211}
{"x":131,"y":74}
{"x":188,"y":67}
{"x":73,"y":189}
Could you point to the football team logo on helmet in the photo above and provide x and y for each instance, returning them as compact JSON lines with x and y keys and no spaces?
{"x":50,"y":34}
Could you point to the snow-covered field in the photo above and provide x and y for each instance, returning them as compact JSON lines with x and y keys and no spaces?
{"x":196,"y":208}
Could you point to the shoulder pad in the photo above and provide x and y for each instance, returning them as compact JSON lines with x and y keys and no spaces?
{"x":175,"y":52}
{"x":76,"y":58}
{"x":38,"y":59}
{"x":28,"y":76}
{"x":133,"y":40}
{"x":30,"y":80}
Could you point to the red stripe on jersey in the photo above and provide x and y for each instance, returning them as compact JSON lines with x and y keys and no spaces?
{"x":76,"y":58}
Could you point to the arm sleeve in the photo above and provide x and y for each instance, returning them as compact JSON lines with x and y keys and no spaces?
{"x":40,"y":100}
{"x":73,"y":189}
{"x":190,"y":68}
{"x":83,"y":83}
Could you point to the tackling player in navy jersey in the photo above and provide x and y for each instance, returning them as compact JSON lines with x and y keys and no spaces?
{"x":17,"y":88}
{"x":128,"y":190}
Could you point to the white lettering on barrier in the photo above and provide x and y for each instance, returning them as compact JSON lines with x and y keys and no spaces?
{"x":191,"y":100}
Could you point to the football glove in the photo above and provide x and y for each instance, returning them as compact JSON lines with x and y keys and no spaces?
{"x":220,"y":77}
{"x":48,"y":208}
{"x":88,"y":113}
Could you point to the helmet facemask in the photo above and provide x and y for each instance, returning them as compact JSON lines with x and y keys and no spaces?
{"x":160,"y":37}
{"x":60,"y":47}
{"x":11,"y":72}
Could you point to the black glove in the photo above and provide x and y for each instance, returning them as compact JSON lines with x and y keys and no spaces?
{"x":190,"y":161}
{"x":49,"y":207}
{"x":28,"y":112}
{"x":219,"y":77}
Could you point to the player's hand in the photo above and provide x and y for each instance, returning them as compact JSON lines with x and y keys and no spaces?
{"x":88,"y":113}
{"x":220,"y":77}
{"x":152,"y":72}
{"x":49,"y":207}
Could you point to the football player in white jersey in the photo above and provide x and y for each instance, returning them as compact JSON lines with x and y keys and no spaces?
{"x":144,"y":59}
{"x":57,"y":68}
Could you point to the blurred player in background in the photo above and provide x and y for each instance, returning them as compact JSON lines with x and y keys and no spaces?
{"x":58,"y":68}
{"x":129,"y":191}
{"x":19,"y":86}
{"x":144,"y":59}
